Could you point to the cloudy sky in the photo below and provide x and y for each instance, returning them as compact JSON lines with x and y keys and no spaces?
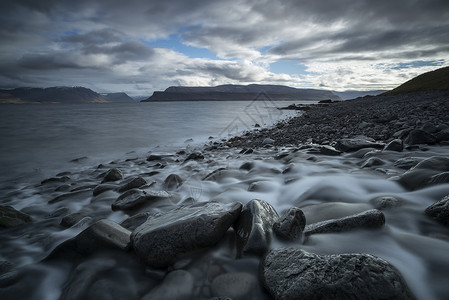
{"x":142,"y":46}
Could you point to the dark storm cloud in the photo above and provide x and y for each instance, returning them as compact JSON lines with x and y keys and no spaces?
{"x":97,"y":37}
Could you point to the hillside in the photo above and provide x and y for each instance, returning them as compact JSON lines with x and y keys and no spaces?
{"x":240,"y":92}
{"x":118,"y":97}
{"x":434,"y":80}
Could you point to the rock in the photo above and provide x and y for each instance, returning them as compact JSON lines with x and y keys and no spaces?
{"x":100,"y":189}
{"x":135,"y":221}
{"x":100,"y":235}
{"x":72,"y":219}
{"x":407,"y":162}
{"x":291,"y":225}
{"x":268,"y":141}
{"x":112,"y":175}
{"x":10,"y":217}
{"x":292,"y":273}
{"x":161,"y":240}
{"x":56,"y":180}
{"x":385,"y":202}
{"x":5,"y":267}
{"x":177,"y":285}
{"x":254,"y":226}
{"x":424,"y":173}
{"x":439,"y":178}
{"x":418,"y":136}
{"x":154,"y":157}
{"x":135,"y":198}
{"x":372,"y":218}
{"x":247,"y":166}
{"x":395,"y":145}
{"x":234,"y":285}
{"x":328,"y":150}
{"x":172,"y":182}
{"x":68,"y":195}
{"x":351,"y":145}
{"x":194,"y":156}
{"x":439,"y":211}
{"x":372,"y":162}
{"x":133,"y":184}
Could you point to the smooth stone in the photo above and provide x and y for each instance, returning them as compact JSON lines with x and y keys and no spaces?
{"x":104,"y":234}
{"x":10,"y":217}
{"x":369,"y":219}
{"x":70,"y":220}
{"x":247,"y":166}
{"x":194,"y":156}
{"x":172,"y":182}
{"x":68,"y":195}
{"x":237,"y":286}
{"x":439,"y":178}
{"x":422,"y":175}
{"x":351,"y":145}
{"x":372,"y":162}
{"x":292,"y":273}
{"x":395,"y":145}
{"x":133,"y":184}
{"x":268,"y":141}
{"x":103,"y":188}
{"x":135,"y":221}
{"x":56,"y":180}
{"x":291,"y":225}
{"x":161,"y":240}
{"x":113,"y":175}
{"x":254,"y":227}
{"x":328,"y":150}
{"x":418,"y":136}
{"x":177,"y":285}
{"x":135,"y":198}
{"x":154,"y":157}
{"x":386,"y":202}
{"x":407,"y":162}
{"x":439,"y":211}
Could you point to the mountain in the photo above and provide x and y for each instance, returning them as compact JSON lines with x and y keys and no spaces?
{"x":60,"y":94}
{"x":351,"y":94}
{"x":117,"y":97}
{"x":433,"y":80}
{"x":232,"y":92}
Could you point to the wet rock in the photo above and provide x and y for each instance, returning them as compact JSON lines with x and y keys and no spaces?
{"x":351,"y":145}
{"x":103,"y":234}
{"x":254,"y":227}
{"x":112,"y":175}
{"x":247,"y":166}
{"x":268,"y":141}
{"x":407,"y":162}
{"x":135,"y":221}
{"x":418,"y":136}
{"x":133,"y":184}
{"x":439,"y":178}
{"x":172,"y":182}
{"x":291,"y":225}
{"x":154,"y":157}
{"x":194,"y":156}
{"x":426,"y":173}
{"x":10,"y":217}
{"x":386,"y":202}
{"x":395,"y":145}
{"x":372,"y":162}
{"x":234,"y":285}
{"x":328,"y":150}
{"x":161,"y":240}
{"x":72,"y":219}
{"x":292,"y":273}
{"x":372,"y":218}
{"x":246,"y":151}
{"x":69,"y":195}
{"x":103,"y":188}
{"x":135,"y":198}
{"x":177,"y":285}
{"x":439,"y":211}
{"x":56,"y":180}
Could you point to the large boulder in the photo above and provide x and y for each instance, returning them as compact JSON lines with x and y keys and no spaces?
{"x":161,"y":240}
{"x":292,"y":273}
{"x":291,"y":225}
{"x":351,"y":145}
{"x":10,"y":217}
{"x":135,"y":183}
{"x":254,"y":227}
{"x":418,"y":136}
{"x":372,"y":218}
{"x":439,"y":211}
{"x":136,"y":198}
{"x":430,"y":171}
{"x":112,"y":175}
{"x":395,"y":145}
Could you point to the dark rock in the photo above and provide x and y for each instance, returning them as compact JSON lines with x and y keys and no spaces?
{"x":439,"y":211}
{"x":135,"y":198}
{"x":372,"y":218}
{"x":254,"y":227}
{"x":5,"y":267}
{"x":56,"y":180}
{"x":172,"y":182}
{"x":442,"y":136}
{"x":292,"y":273}
{"x":351,"y":145}
{"x":102,"y":234}
{"x":135,"y":221}
{"x":234,"y":285}
{"x":10,"y":217}
{"x":112,"y":175}
{"x":68,"y":195}
{"x":161,"y":240}
{"x":194,"y":156}
{"x":268,"y":141}
{"x":395,"y":145}
{"x":418,"y":136}
{"x":372,"y":162}
{"x":215,"y":175}
{"x":328,"y":150}
{"x":177,"y":285}
{"x":247,"y":166}
{"x":72,"y":219}
{"x":439,"y":178}
{"x":133,"y":184}
{"x":386,"y":202}
{"x":103,"y":188}
{"x":423,"y":173}
{"x":291,"y":225}
{"x":154,"y":157}
{"x":407,"y":162}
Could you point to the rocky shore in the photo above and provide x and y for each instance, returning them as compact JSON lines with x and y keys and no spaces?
{"x":348,"y":200}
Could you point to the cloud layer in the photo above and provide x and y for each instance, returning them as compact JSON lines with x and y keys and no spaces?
{"x":138,"y":46}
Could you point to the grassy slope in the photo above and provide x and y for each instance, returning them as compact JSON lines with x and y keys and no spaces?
{"x":434,"y":80}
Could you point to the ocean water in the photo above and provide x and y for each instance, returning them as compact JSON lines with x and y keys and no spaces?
{"x":38,"y":140}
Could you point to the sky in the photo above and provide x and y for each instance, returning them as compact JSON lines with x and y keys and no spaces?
{"x":138,"y":47}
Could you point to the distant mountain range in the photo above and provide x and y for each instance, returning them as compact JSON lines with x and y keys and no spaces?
{"x":350,"y":94}
{"x":232,"y":92}
{"x":62,"y":94}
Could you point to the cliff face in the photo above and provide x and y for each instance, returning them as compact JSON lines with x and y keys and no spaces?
{"x":240,"y":92}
